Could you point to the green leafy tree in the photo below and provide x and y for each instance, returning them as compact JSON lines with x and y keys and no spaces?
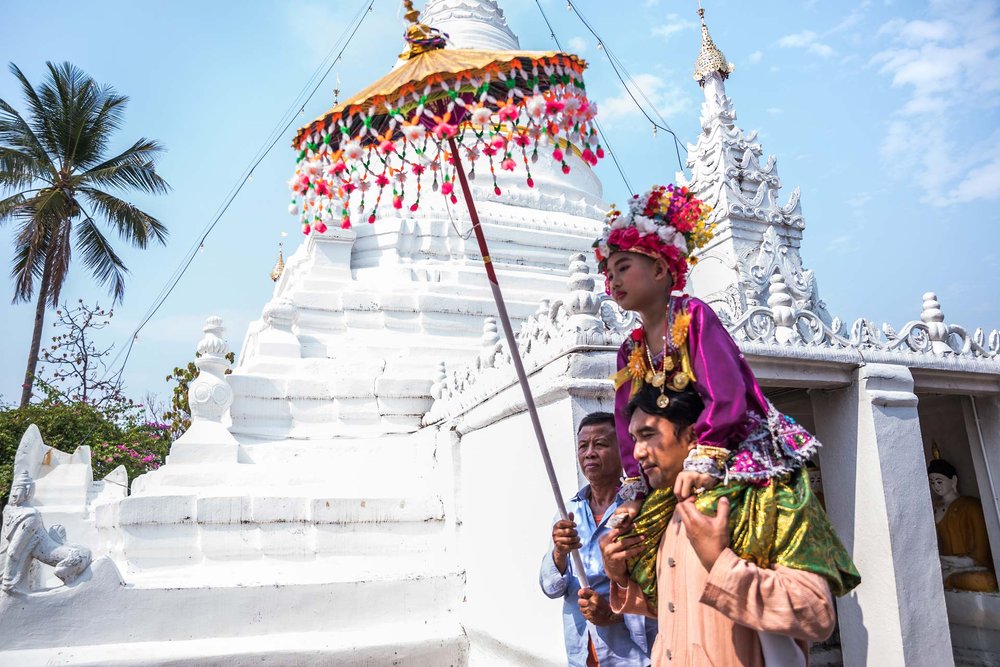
{"x":58,"y":182}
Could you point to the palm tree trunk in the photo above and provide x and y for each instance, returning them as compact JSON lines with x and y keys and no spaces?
{"x":36,"y":335}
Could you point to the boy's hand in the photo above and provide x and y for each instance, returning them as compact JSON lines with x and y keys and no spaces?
{"x":689,"y":483}
{"x":709,"y":535}
{"x":625,"y":515}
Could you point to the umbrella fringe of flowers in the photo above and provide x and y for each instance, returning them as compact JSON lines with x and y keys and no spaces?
{"x":504,"y":116}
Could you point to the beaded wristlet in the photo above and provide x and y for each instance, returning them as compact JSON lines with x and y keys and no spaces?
{"x":633,"y":488}
{"x":708,"y":460}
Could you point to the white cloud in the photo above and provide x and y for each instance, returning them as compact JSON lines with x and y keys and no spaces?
{"x":674,"y":25}
{"x":948,"y":65}
{"x":577,"y":45}
{"x":666,"y":96}
{"x":755,"y":57}
{"x":808,"y":40}
{"x":651,"y":3}
{"x":774,"y":111}
{"x":979,"y":182}
{"x":920,"y":31}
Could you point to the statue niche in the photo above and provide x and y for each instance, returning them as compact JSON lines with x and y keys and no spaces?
{"x":966,"y":561}
{"x":23,"y":539}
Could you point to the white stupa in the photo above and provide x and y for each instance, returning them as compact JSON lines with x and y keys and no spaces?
{"x":364,"y":487}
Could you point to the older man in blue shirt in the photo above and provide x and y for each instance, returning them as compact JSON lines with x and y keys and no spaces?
{"x":594,"y":634}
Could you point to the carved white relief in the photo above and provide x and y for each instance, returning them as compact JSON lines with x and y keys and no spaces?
{"x":726,"y":169}
{"x":780,"y":323}
{"x":589,"y":319}
{"x":774,"y":255}
{"x":24,"y":539}
{"x":280,"y":313}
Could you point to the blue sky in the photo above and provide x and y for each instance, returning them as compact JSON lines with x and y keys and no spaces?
{"x":885,"y":113}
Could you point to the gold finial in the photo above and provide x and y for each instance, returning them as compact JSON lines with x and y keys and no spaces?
{"x":411,"y":14}
{"x":710,"y":59}
{"x":935,"y":451}
{"x":279,"y":266}
{"x":420,"y":38}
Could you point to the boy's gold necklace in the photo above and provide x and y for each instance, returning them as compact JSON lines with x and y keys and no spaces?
{"x":658,"y":378}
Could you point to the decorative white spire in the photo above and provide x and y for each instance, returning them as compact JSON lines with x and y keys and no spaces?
{"x":471,"y":24}
{"x":755,"y":235}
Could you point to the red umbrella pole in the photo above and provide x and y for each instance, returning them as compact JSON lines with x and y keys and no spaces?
{"x":515,"y":355}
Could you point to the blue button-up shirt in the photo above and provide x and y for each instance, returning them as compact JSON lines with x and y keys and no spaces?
{"x":618,"y":645}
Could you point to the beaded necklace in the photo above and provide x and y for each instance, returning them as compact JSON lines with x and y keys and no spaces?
{"x":658,"y":378}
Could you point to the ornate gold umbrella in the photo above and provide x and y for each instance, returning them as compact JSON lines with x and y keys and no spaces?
{"x":421,"y":121}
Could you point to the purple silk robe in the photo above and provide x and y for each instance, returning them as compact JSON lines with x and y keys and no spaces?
{"x":723,"y":379}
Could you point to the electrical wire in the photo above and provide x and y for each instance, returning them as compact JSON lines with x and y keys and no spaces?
{"x":298,"y":104}
{"x":618,"y":67}
{"x":266,"y":147}
{"x":597,"y":124}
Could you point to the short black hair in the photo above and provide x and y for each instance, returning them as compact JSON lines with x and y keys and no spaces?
{"x":683,"y":409}
{"x":596,"y":418}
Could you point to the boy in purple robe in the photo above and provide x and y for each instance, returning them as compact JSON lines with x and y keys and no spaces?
{"x":645,"y":257}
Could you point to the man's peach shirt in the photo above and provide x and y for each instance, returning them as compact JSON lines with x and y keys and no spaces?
{"x":712,"y":618}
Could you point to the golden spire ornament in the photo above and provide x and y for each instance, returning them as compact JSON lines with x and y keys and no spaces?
{"x":710,"y":59}
{"x":420,"y":38}
{"x":279,"y":266}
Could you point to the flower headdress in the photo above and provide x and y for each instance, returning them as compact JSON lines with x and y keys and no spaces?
{"x":665,"y":222}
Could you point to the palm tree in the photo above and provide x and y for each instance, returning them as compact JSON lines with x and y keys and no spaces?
{"x":57,"y":183}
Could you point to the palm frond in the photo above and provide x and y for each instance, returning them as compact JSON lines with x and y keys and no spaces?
{"x":100,"y":258}
{"x":133,"y":224}
{"x":17,"y":170}
{"x":70,"y":96}
{"x":30,"y":248}
{"x":103,"y":120}
{"x":133,"y":168}
{"x":17,"y":134}
{"x":9,"y":206}
{"x":61,"y":253}
{"x":40,"y":114}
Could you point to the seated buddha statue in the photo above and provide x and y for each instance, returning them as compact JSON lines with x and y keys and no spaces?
{"x":966,"y":561}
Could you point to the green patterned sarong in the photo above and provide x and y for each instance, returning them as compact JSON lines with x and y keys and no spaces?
{"x":778,"y":524}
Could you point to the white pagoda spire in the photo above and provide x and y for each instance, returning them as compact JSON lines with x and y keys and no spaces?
{"x":471,"y":24}
{"x":755,"y":236}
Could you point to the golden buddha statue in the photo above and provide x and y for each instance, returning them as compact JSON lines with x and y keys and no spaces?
{"x":966,"y":561}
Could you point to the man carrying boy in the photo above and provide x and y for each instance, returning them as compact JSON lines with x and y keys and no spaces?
{"x":713,"y":607}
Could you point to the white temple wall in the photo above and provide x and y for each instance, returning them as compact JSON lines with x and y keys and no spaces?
{"x":506,"y":509}
{"x":878,"y":498}
{"x":506,"y":516}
